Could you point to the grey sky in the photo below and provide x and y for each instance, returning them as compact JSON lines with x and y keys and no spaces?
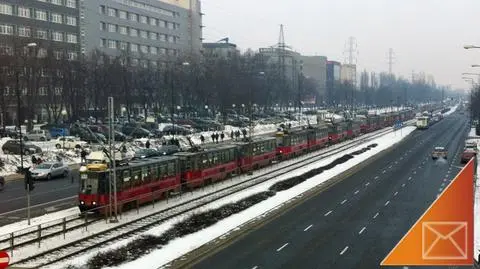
{"x":426,"y":35}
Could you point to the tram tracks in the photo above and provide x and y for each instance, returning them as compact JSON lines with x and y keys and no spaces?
{"x":135,"y":227}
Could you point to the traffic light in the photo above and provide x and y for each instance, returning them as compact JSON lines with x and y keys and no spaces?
{"x":29,"y":182}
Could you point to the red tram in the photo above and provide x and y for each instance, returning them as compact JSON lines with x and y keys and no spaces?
{"x":255,"y":154}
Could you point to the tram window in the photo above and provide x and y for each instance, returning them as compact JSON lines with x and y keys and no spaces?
{"x":204,"y":159}
{"x":145,"y":174}
{"x":210,"y":159}
{"x":153,"y":172}
{"x":137,"y":177}
{"x":126,"y":179}
{"x":171,"y":169}
{"x":163,"y":169}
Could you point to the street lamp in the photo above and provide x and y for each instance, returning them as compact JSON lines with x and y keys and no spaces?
{"x":172,"y":109}
{"x":64,"y":114}
{"x":471,"y":47}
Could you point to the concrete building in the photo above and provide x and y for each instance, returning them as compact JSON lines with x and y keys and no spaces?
{"x":223,"y":50}
{"x":333,"y":79}
{"x":147,"y":30}
{"x":51,"y":24}
{"x":315,"y":67}
{"x":348,"y":74}
{"x":292,"y":63}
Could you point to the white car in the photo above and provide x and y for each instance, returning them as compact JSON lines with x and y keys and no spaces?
{"x":70,"y":142}
{"x":49,"y":170}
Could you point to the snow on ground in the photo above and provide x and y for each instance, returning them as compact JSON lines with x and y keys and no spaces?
{"x":452,"y":109}
{"x":56,"y":216}
{"x":181,"y":246}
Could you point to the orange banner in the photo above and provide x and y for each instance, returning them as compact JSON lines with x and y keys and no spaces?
{"x":443,"y":235}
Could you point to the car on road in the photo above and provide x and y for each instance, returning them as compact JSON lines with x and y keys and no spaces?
{"x":13,"y":147}
{"x":439,"y":152}
{"x":49,"y":170}
{"x":467,"y":155}
{"x":37,"y":135}
{"x":70,"y":142}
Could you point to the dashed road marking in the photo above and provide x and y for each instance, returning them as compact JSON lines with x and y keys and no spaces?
{"x":376,"y":215}
{"x":409,"y":178}
{"x":396,"y":162}
{"x":282,"y":247}
{"x":356,"y":192}
{"x":403,"y":185}
{"x":386,"y":203}
{"x":395,"y":194}
{"x":362,"y":230}
{"x":328,"y":213}
{"x":443,"y":184}
{"x":344,"y":250}
{"x":440,"y":190}
{"x":376,"y":177}
{"x":414,"y":172}
{"x":343,"y":202}
{"x":368,"y":183}
{"x":306,"y":229}
{"x":255,"y":267}
{"x":390,"y":167}
{"x":384,"y":171}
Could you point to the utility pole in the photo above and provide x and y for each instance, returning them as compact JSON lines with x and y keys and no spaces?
{"x":112,"y":168}
{"x":350,"y":58}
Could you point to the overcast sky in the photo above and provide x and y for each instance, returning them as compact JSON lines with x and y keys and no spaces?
{"x":426,"y":35}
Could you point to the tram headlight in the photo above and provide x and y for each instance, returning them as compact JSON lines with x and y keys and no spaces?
{"x":82,"y":202}
{"x":94,"y":203}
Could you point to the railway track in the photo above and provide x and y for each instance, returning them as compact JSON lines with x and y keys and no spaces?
{"x":137,"y":226}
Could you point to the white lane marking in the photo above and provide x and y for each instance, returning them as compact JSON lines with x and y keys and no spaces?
{"x":390,"y":167}
{"x":368,"y":183}
{"x":344,"y":250}
{"x":356,"y":192}
{"x":383,"y":172}
{"x":409,"y":178}
{"x":396,"y":162}
{"x":443,"y":184}
{"x":361,"y":231}
{"x":282,"y":247}
{"x":306,"y":229}
{"x":376,"y":177}
{"x":328,"y":213}
{"x":376,"y":215}
{"x":395,"y":194}
{"x":403,"y":185}
{"x":440,"y":190}
{"x":386,"y":203}
{"x":343,"y":202}
{"x":414,"y":172}
{"x":255,"y":267}
{"x":401,"y":158}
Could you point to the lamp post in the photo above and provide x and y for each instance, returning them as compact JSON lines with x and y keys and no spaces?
{"x":172,"y":88}
{"x":64,"y":114}
{"x":206,"y":110}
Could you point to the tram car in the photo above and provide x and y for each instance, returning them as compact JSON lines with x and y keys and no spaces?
{"x":354,"y":127}
{"x":209,"y":165}
{"x":337,"y":132}
{"x":318,"y":137}
{"x":143,"y":178}
{"x":291,"y":143}
{"x":259,"y":152}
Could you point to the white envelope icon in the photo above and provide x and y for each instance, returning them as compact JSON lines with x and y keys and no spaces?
{"x":437,"y":235}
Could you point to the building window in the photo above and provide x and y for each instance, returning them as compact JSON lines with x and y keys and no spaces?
{"x":170,"y":25}
{"x":72,"y":56}
{"x":146,"y":7}
{"x":143,"y":34}
{"x":133,"y":32}
{"x":122,"y":14}
{"x":143,"y":19}
{"x":153,"y":21}
{"x":40,"y":15}
{"x":6,"y":29}
{"x":57,"y":36}
{"x":133,"y":47}
{"x":42,"y":91}
{"x":123,"y":45}
{"x":42,"y":34}
{"x":57,"y":18}
{"x":134,"y":62}
{"x":112,"y":12}
{"x":153,"y":50}
{"x":72,"y":38}
{"x":133,"y":17}
{"x":163,"y":51}
{"x":153,"y":64}
{"x":162,"y":24}
{"x":42,"y":53}
{"x":6,"y":50}
{"x":71,"y":20}
{"x":171,"y":38}
{"x":153,"y":36}
{"x":112,"y":44}
{"x":112,"y":28}
{"x":24,"y":12}
{"x":122,"y":30}
{"x":58,"y":54}
{"x":24,"y":31}
{"x":102,"y":9}
{"x":71,"y":3}
{"x":162,"y":37}
{"x":103,"y":42}
{"x":6,"y":9}
{"x":58,"y":91}
{"x":103,"y":26}
{"x":57,"y":2}
{"x":144,"y":49}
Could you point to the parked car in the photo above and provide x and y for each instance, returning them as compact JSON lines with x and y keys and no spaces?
{"x":467,"y":155}
{"x":168,"y":149}
{"x":13,"y":147}
{"x":49,"y":170}
{"x":146,"y":153}
{"x":70,"y":142}
{"x":37,"y":135}
{"x":439,"y":152}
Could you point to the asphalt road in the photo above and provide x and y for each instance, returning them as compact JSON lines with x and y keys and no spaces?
{"x":355,"y":223}
{"x":48,"y":196}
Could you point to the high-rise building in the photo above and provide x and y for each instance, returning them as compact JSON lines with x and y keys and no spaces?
{"x":220,"y":50}
{"x":145,"y":30}
{"x":290,"y":61}
{"x":315,"y":67}
{"x":348,"y":74}
{"x":333,"y":78}
{"x":50,"y":24}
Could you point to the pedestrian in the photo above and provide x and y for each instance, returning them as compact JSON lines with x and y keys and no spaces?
{"x":231,"y":135}
{"x":202,"y":139}
{"x":237,"y":134}
{"x":222,"y":136}
{"x":147,"y":144}
{"x":59,"y":159}
{"x":216,"y":137}
{"x":83,"y":155}
{"x":213,"y":137}
{"x":34,"y":160}
{"x":244,"y":133}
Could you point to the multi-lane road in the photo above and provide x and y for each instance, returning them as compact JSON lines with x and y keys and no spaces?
{"x":47,"y":196}
{"x":356,"y":222}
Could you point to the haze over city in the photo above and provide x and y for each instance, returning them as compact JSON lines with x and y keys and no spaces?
{"x":426,"y":36}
